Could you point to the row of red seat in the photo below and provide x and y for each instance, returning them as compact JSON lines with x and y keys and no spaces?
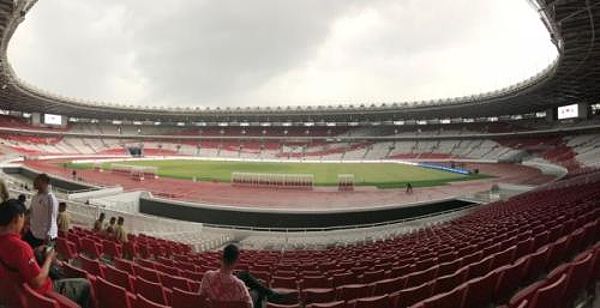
{"x":527,"y":235}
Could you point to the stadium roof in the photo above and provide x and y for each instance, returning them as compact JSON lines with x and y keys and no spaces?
{"x":574,"y":77}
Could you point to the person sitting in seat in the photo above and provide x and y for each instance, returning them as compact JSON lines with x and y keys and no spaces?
{"x":225,"y":285}
{"x":120,"y":232}
{"x":64,"y":219}
{"x":110,"y":229}
{"x":98,"y":224}
{"x":222,"y":285}
{"x":22,"y":199}
{"x":18,"y":263}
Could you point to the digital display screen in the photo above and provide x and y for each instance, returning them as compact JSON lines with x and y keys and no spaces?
{"x":568,"y":112}
{"x":52,"y":119}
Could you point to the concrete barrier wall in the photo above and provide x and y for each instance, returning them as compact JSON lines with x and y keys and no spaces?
{"x":258,"y":218}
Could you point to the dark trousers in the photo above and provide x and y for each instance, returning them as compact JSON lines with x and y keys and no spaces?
{"x":76,"y":289}
{"x":32,"y":240}
{"x":257,"y":289}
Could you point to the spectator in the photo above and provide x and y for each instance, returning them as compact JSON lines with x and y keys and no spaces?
{"x":22,"y":199}
{"x":120,"y":232}
{"x":3,"y":191}
{"x":110,"y":229}
{"x":18,"y":263}
{"x":64,"y":219}
{"x":224,"y":285}
{"x":221,"y":285}
{"x":44,"y":213}
{"x":98,"y":224}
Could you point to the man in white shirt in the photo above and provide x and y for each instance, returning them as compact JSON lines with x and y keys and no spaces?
{"x":44,"y":212}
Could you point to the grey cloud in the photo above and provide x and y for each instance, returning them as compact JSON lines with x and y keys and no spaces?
{"x":223,"y":53}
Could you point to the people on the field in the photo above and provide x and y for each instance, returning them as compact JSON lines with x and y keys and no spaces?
{"x":99,"y":223}
{"x":44,"y":213}
{"x":64,"y":219}
{"x":18,"y":263}
{"x":409,"y":189}
{"x":120,"y":232}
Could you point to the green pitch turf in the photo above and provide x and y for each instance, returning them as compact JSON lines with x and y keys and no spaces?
{"x":384,"y":175}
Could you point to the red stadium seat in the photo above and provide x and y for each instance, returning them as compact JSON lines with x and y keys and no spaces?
{"x":111,"y":295}
{"x":450,"y":299}
{"x":66,"y":249}
{"x":171,"y":282}
{"x":480,"y":291}
{"x":91,"y":248}
{"x":112,"y":249}
{"x":550,"y":295}
{"x":372,"y":302}
{"x":578,"y":275}
{"x":34,"y":299}
{"x":185,"y":299}
{"x":92,"y":266}
{"x":509,"y":278}
{"x":352,"y":291}
{"x":449,"y":282}
{"x":318,"y":295}
{"x":338,"y":304}
{"x":311,"y":282}
{"x":413,"y":295}
{"x":142,"y":302}
{"x":120,"y":278}
{"x":388,"y":286}
{"x":151,"y":290}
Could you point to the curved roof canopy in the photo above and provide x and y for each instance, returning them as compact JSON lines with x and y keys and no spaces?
{"x":574,"y":77}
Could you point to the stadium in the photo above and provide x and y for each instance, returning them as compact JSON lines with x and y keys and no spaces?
{"x":487,"y":200}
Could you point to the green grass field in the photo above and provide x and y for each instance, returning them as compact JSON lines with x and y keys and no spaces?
{"x":384,"y":175}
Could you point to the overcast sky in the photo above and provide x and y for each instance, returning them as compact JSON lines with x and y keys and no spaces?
{"x":277,"y":52}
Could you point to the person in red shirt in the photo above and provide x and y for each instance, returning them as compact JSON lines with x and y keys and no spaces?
{"x":18,"y":263}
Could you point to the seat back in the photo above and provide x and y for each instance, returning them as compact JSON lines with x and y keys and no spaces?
{"x":510,"y":278}
{"x":91,"y":266}
{"x":373,"y":302}
{"x":34,"y":299}
{"x":387,"y":286}
{"x":318,"y":295}
{"x":184,"y":299}
{"x":171,"y":282}
{"x":446,"y":300}
{"x":63,"y":301}
{"x":480,"y":290}
{"x":337,"y":304}
{"x":309,"y":282}
{"x":111,"y":295}
{"x":142,"y":302}
{"x":413,"y":295}
{"x":89,"y":247}
{"x":352,"y":291}
{"x":579,"y":273}
{"x":550,"y":295}
{"x":120,"y":278}
{"x":151,"y":290}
